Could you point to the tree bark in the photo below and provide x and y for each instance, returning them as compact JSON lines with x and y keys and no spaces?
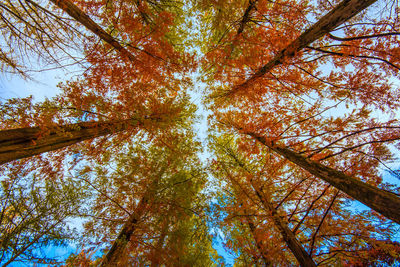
{"x":114,"y":255}
{"x":341,"y":13}
{"x":246,"y":16}
{"x":384,"y":202}
{"x":157,"y":258}
{"x":258,"y":242}
{"x":117,"y":250}
{"x":86,"y":21}
{"x":288,"y":236}
{"x":26,"y":142}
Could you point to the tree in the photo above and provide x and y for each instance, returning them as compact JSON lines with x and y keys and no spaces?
{"x":29,"y":141}
{"x":26,"y":142}
{"x":36,"y":28}
{"x":34,"y":215}
{"x":30,"y":29}
{"x":251,"y":117}
{"x":259,"y":186}
{"x":257,"y":191}
{"x":341,"y":13}
{"x":282,"y":226}
{"x":157,"y":211}
{"x":377,"y":199}
{"x":367,"y":53}
{"x":85,"y":20}
{"x":296,"y":92}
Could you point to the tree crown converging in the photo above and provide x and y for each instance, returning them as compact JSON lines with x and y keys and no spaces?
{"x":301,"y":99}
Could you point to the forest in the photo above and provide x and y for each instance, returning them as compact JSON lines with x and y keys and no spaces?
{"x":188,"y":130}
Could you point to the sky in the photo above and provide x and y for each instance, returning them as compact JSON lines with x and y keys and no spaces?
{"x":44,"y":85}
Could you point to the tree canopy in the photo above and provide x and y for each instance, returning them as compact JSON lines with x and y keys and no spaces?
{"x":301,"y":100}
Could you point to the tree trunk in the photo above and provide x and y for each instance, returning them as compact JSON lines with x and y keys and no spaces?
{"x":86,"y":21}
{"x":384,"y":202}
{"x":117,"y":250}
{"x":258,"y":242}
{"x":114,"y":255}
{"x":288,"y":236}
{"x":341,"y":13}
{"x":157,"y":258}
{"x":246,"y":16}
{"x":26,"y":142}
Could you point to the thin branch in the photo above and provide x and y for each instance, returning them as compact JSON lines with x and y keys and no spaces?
{"x":362,"y":37}
{"x":322,"y":221}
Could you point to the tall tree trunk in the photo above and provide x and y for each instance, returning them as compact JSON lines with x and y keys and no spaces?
{"x":341,"y":13}
{"x":246,"y":16}
{"x":157,"y":258}
{"x":288,"y":236}
{"x":258,"y":242}
{"x":114,"y":255}
{"x":26,"y":142}
{"x":282,"y":226}
{"x":245,"y":19}
{"x":384,"y":202}
{"x":86,"y":21}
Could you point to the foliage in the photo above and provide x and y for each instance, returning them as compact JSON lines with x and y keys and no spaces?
{"x":117,"y":146}
{"x":317,"y":213}
{"x":35,"y":216}
{"x":35,"y":34}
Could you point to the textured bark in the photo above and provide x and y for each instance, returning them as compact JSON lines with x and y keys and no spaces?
{"x":288,"y":236}
{"x":86,"y":21}
{"x":246,"y":16}
{"x":341,"y":13}
{"x":113,"y":256}
{"x":258,"y":242}
{"x":384,"y":202}
{"x":26,"y":142}
{"x":117,"y":250}
{"x":282,"y":226}
{"x":157,"y":258}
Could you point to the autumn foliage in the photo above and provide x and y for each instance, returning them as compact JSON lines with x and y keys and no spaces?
{"x":302,"y":99}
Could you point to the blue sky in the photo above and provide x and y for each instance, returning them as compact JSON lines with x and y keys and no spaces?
{"x":45,"y":86}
